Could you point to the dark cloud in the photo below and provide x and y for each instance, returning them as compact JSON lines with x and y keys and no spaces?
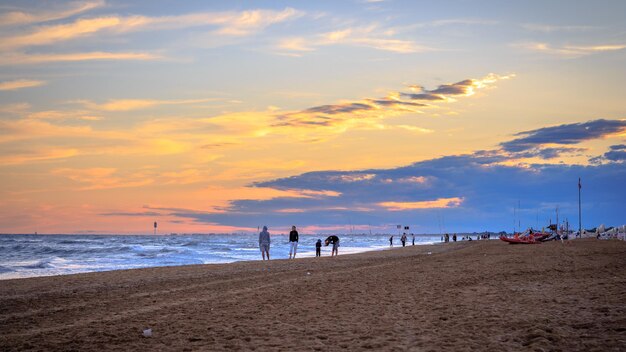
{"x":422,"y":96}
{"x":618,"y":147}
{"x":489,"y":192}
{"x":616,"y":155}
{"x":564,"y":134}
{"x":547,"y":153}
{"x":333,"y":114}
{"x":487,"y":182}
{"x":453,"y":89}
{"x":340,"y":108}
{"x":393,"y":102}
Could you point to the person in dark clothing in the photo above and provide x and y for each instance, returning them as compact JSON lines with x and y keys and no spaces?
{"x":335,"y":241}
{"x":318,"y":248}
{"x":391,"y":241}
{"x":413,"y":235}
{"x":454,"y":237}
{"x":403,"y":239}
{"x":293,"y":242}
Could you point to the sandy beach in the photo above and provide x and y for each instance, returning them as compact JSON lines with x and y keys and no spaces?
{"x":479,"y":295}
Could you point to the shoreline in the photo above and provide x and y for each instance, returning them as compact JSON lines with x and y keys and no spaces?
{"x":45,"y":266}
{"x":551,"y":296}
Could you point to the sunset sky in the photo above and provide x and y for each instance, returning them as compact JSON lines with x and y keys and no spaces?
{"x":333,"y":116}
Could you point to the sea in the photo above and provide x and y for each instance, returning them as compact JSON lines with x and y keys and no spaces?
{"x":24,"y":256}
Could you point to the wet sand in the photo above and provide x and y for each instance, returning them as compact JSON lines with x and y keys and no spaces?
{"x":479,"y":295}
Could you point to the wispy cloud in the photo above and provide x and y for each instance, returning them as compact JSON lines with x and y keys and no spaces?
{"x":22,"y":17}
{"x":29,"y":59}
{"x":137,"y":104}
{"x":569,"y":51}
{"x":30,"y":156}
{"x":426,"y":204}
{"x":371,"y":37}
{"x":549,"y":28}
{"x":20,"y":84}
{"x":57,"y":33}
{"x":103,"y":178}
{"x":226,"y":23}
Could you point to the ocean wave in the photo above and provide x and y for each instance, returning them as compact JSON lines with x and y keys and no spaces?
{"x":4,"y":269}
{"x":38,"y":264}
{"x":76,"y":242}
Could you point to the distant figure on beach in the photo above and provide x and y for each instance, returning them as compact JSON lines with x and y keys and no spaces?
{"x":335,"y":241}
{"x":454,"y":237}
{"x":413,"y":238}
{"x":447,"y":238}
{"x":318,"y":248}
{"x":293,"y":242}
{"x":391,"y":241}
{"x":403,"y":239}
{"x":264,"y":243}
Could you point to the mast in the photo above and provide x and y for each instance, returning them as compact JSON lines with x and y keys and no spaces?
{"x":519,"y":216}
{"x":557,"y":219}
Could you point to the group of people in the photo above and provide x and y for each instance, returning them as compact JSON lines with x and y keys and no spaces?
{"x":446,"y":237}
{"x":264,"y":244}
{"x":403,"y":240}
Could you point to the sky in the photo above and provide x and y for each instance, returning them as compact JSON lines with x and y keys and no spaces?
{"x":334,"y":116}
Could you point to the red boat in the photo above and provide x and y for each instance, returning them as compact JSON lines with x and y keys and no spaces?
{"x":527,"y":238}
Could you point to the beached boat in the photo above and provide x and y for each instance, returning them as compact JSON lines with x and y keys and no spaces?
{"x":520,"y":240}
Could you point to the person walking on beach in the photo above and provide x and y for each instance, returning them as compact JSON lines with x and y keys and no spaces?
{"x":318,"y":248}
{"x":264,"y":243}
{"x":403,"y":239}
{"x":454,"y":237}
{"x":335,"y":241}
{"x":447,"y":237}
{"x":413,"y":238}
{"x":293,"y":242}
{"x":391,"y":241}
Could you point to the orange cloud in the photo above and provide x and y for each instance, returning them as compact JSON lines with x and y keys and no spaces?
{"x":370,"y":36}
{"x":29,"y":59}
{"x":137,"y":104}
{"x":428,"y":204}
{"x":103,"y":178}
{"x":20,"y":83}
{"x":42,"y":155}
{"x":21,"y":18}
{"x":56,"y":33}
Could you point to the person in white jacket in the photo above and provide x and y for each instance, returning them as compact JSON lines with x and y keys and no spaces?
{"x":264,"y":243}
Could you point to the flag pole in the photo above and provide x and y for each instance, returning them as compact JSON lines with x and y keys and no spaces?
{"x":580,"y":222}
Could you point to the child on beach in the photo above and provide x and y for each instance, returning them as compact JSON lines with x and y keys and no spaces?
{"x":318,"y":248}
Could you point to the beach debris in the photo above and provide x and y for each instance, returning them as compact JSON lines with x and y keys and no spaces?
{"x":429,"y":253}
{"x":147,"y":333}
{"x":308,"y":273}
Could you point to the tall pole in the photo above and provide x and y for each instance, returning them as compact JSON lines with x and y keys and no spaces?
{"x":580,"y":221}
